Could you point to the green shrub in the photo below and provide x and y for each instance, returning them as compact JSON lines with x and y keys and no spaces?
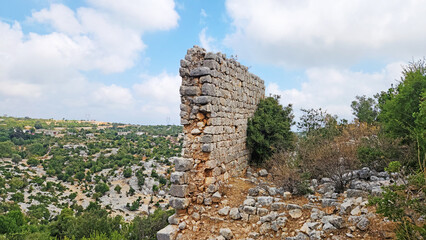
{"x":269,"y":130}
{"x":33,"y":161}
{"x":18,"y":197}
{"x":377,"y":151}
{"x":117,"y":188}
{"x":127,"y":172}
{"x":101,"y":188}
{"x":393,"y":167}
{"x":403,"y":110}
{"x":404,"y":204}
{"x":147,"y":228}
{"x":16,"y":158}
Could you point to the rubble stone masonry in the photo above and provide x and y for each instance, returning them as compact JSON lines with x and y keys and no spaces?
{"x":218,"y":96}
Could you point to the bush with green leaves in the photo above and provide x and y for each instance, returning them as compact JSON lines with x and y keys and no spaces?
{"x":378,"y":150}
{"x":101,"y":188}
{"x":33,"y":161}
{"x":16,"y":158}
{"x":365,"y":109}
{"x":404,"y":204}
{"x":117,"y":188}
{"x":127,"y":172}
{"x":18,"y":197}
{"x":403,"y":110}
{"x":269,"y":130}
{"x":147,"y":228}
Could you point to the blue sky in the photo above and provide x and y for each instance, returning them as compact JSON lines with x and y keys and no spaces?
{"x":118,"y":60}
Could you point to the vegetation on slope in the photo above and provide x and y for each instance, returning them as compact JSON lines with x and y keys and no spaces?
{"x":389,"y":130}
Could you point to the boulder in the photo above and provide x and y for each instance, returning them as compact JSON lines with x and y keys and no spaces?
{"x":226,"y":233}
{"x":224,"y":211}
{"x":295,"y":213}
{"x":263,"y":173}
{"x":167,"y":233}
{"x":363,"y":224}
{"x":234,"y":213}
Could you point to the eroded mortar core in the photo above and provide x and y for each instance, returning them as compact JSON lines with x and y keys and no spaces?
{"x":218,"y":96}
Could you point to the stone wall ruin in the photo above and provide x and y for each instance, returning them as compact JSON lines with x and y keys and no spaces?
{"x":218,"y":96}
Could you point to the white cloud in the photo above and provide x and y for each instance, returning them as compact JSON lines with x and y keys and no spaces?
{"x":162,"y":88}
{"x":159,"y":95}
{"x":141,"y":14}
{"x":44,"y":75}
{"x":334,"y":89}
{"x":90,"y":38}
{"x":206,"y":41}
{"x":24,"y":90}
{"x":203,"y":13}
{"x":61,"y":18}
{"x":307,"y":33}
{"x":113,"y":95}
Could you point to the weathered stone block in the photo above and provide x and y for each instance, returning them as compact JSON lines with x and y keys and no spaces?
{"x":210,"y":164}
{"x":202,"y":100}
{"x":211,"y":64}
{"x":178,"y":190}
{"x":206,"y":138}
{"x":167,"y":233}
{"x":173,"y":219}
{"x":206,"y":108}
{"x":208,"y":89}
{"x":207,"y":148}
{"x":183,"y":72}
{"x":250,"y":210}
{"x":190,"y":90}
{"x":179,"y":178}
{"x":179,"y":203}
{"x":210,"y":55}
{"x":184,"y":63}
{"x":200,"y":71}
{"x":183,"y":164}
{"x":216,"y":197}
{"x":206,"y":79}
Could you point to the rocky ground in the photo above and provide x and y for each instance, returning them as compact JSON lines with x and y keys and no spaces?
{"x":254,"y":208}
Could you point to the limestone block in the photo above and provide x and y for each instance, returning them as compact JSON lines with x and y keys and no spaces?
{"x":207,"y":148}
{"x":206,"y":108}
{"x":167,"y":233}
{"x":179,"y":203}
{"x":206,"y":79}
{"x":202,"y":100}
{"x":179,"y":190}
{"x":179,"y":178}
{"x":190,"y":90}
{"x":200,"y":71}
{"x":183,"y":72}
{"x":173,"y":219}
{"x":183,"y":164}
{"x":211,"y":164}
{"x":208,"y":89}
{"x":207,"y":138}
{"x":210,"y":55}
{"x":184,"y":63}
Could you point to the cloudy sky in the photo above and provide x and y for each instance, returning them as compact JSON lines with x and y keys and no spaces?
{"x":118,"y":61}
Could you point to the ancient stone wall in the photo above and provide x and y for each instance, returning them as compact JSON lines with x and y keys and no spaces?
{"x":218,"y":95}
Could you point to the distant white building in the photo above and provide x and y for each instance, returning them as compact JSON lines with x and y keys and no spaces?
{"x":47,"y":132}
{"x":123,"y":133}
{"x":90,"y":135}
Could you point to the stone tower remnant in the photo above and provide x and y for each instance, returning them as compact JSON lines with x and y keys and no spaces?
{"x":218,"y":96}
